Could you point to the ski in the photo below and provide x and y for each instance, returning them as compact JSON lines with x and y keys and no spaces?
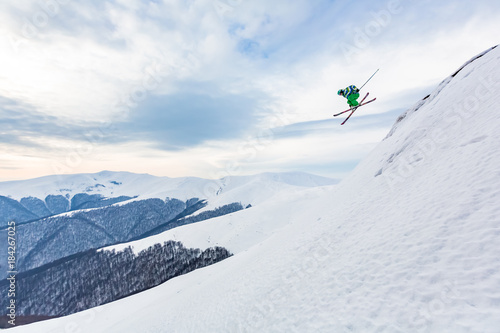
{"x":338,"y":114}
{"x":356,"y":109}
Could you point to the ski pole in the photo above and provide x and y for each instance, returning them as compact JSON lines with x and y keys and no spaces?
{"x":369,"y":79}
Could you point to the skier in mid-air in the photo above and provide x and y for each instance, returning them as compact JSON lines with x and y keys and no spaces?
{"x":352,"y":94}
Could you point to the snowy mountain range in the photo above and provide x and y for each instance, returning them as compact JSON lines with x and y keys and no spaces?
{"x":61,"y":221}
{"x":408,"y":242}
{"x":32,"y":199}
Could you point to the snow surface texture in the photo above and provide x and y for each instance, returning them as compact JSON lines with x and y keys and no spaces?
{"x":409,"y":242}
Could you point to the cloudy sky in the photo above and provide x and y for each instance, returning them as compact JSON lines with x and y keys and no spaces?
{"x":211,"y":88}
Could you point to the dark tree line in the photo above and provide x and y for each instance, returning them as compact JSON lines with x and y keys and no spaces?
{"x":52,"y":238}
{"x":94,"y":277}
{"x":182,"y":220}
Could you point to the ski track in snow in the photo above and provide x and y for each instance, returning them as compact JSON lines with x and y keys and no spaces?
{"x":409,"y":242}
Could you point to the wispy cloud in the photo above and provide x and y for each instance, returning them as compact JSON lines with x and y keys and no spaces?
{"x":190,"y":81}
{"x":189,"y":118}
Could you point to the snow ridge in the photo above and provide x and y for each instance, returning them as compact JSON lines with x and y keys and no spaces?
{"x":429,"y":98}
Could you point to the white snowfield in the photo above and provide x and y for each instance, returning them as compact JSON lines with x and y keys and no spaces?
{"x":409,"y":242}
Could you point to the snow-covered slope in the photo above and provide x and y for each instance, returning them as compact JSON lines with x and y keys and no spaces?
{"x":409,"y":242}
